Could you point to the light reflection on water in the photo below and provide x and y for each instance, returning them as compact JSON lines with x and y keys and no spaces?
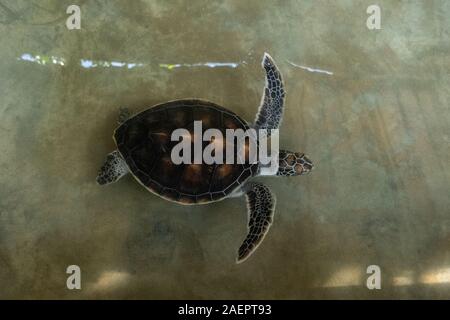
{"x":89,"y":64}
{"x":310,"y":69}
{"x":42,"y":60}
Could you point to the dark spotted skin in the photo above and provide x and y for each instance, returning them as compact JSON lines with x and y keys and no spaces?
{"x":293,"y":163}
{"x":145,"y":143}
{"x":261,"y":206}
{"x":271,"y":115}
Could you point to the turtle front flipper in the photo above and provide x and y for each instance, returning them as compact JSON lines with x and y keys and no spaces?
{"x":261,"y":207}
{"x":270,"y":111}
{"x":113,"y":169}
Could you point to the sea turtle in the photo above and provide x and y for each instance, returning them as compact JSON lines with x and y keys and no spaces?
{"x":144,"y":148}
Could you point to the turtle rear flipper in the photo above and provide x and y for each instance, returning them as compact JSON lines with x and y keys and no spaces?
{"x":113,"y":169}
{"x":261,"y":207}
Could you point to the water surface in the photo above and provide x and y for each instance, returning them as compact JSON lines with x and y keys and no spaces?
{"x":370,"y":108}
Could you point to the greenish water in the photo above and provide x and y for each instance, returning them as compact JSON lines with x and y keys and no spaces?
{"x":375,"y":122}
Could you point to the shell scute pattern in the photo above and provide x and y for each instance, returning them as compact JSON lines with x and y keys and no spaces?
{"x":144,"y":142}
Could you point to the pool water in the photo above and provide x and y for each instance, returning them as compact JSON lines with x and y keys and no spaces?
{"x":369,"y":107}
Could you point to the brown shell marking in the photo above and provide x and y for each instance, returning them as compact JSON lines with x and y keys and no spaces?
{"x":144,"y":142}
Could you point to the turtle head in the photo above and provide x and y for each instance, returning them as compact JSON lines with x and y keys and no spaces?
{"x":293,"y":164}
